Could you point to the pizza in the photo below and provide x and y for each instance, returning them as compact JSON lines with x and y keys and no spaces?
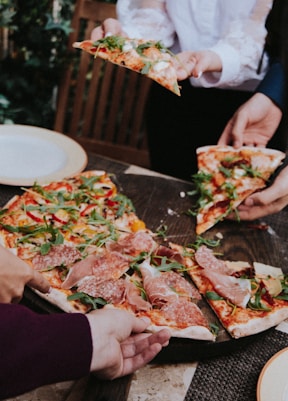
{"x":150,"y":58}
{"x":226,"y":177}
{"x":84,"y":236}
{"x":247,"y":299}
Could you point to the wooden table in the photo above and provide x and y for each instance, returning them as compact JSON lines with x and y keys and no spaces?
{"x":162,"y":201}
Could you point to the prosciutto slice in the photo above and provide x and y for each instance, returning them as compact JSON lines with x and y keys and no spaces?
{"x":236,"y":290}
{"x":170,"y":253}
{"x":133,"y":244}
{"x":165,"y":287}
{"x":110,"y":265}
{"x":206,"y":259}
{"x":116,"y":292}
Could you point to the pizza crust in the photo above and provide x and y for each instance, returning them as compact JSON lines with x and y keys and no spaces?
{"x":59,"y":299}
{"x":258,"y":324}
{"x":192,"y":332}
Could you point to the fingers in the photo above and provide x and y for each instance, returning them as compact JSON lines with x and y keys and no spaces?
{"x":266,"y":202}
{"x":109,"y":27}
{"x":10,"y":295}
{"x":207,"y":61}
{"x":112,"y":26}
{"x":233,"y":133}
{"x":97,"y":33}
{"x":137,"y":344}
{"x":38,"y":282}
{"x":140,"y":324}
{"x":184,"y":64}
{"x":143,"y":351}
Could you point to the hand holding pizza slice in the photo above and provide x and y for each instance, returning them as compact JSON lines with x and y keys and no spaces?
{"x":227,"y":176}
{"x":146,"y":57}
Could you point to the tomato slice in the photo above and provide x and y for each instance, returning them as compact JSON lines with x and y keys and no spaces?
{"x":104,"y":193}
{"x":35,"y":215}
{"x":111,"y":203}
{"x":59,"y":186}
{"x":61,"y":216}
{"x":88,"y":209}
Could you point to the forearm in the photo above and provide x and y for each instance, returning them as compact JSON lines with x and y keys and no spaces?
{"x":240,"y":51}
{"x":41,"y":349}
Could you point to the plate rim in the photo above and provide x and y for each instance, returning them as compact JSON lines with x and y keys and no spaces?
{"x":264,"y":371}
{"x":71,"y":148}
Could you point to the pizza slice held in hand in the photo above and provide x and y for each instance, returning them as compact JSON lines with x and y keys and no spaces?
{"x":226,"y":177}
{"x":149,"y":58}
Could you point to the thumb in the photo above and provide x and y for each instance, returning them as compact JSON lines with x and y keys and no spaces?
{"x":233,"y":133}
{"x":140,"y":324}
{"x":262,"y":198}
{"x":38,"y":282}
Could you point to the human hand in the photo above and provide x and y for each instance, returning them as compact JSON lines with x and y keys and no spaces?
{"x":119,"y":345}
{"x":193,"y":64}
{"x":14,"y":275}
{"x":253,"y":124}
{"x":110,"y":26}
{"x":268,"y":201}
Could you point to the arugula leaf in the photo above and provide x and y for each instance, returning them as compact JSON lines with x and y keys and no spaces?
{"x":250,"y":171}
{"x":167,"y":264}
{"x":86,"y":299}
{"x":111,"y":42}
{"x":204,"y":241}
{"x":230,"y":190}
{"x":204,"y":194}
{"x":89,"y":182}
{"x":161,"y":231}
{"x":213,"y":296}
{"x":124,"y":205}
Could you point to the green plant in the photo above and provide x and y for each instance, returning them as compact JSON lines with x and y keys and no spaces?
{"x":34,"y":58}
{"x":31,"y":68}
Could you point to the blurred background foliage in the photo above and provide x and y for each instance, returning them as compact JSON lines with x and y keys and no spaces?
{"x":33,"y":54}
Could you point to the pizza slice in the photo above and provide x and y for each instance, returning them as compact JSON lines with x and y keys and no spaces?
{"x":226,"y":176}
{"x":150,"y":58}
{"x":174,"y":301}
{"x":247,"y":299}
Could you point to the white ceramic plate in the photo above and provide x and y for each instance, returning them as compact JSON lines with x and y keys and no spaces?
{"x":273,"y":380}
{"x":29,"y":154}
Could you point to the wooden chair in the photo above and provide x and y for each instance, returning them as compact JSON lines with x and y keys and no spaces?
{"x":101,"y":105}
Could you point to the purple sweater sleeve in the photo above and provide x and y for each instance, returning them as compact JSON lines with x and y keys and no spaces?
{"x":38,"y":349}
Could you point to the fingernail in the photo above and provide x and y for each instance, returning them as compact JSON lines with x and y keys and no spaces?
{"x":108,"y":34}
{"x":199,"y":75}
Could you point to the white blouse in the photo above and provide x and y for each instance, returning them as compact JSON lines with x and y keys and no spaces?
{"x":234,"y":29}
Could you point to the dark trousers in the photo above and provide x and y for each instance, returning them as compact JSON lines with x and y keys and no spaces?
{"x":178,"y":125}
